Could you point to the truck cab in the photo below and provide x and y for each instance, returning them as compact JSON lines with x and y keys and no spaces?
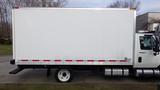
{"x":146,"y":55}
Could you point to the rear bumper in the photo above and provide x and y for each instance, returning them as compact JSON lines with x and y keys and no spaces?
{"x":12,"y":62}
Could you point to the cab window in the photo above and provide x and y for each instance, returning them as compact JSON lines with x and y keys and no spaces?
{"x":146,"y":42}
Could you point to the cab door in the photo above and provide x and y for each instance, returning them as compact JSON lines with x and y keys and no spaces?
{"x":144,"y":55}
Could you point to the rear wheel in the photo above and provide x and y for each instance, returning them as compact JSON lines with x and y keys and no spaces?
{"x":63,"y":75}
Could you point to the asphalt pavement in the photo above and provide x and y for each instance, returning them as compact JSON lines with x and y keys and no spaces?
{"x":39,"y":76}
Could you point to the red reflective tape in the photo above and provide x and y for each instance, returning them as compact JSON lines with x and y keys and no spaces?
{"x":57,"y":60}
{"x":123,"y":60}
{"x":101,"y":60}
{"x":46,"y":60}
{"x":24,"y":60}
{"x":79,"y":60}
{"x":35,"y":60}
{"x":90,"y":60}
{"x":112,"y":60}
{"x":68,"y":60}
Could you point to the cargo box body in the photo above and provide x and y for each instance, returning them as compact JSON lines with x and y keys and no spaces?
{"x":65,"y":36}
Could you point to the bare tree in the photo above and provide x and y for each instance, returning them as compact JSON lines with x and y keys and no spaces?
{"x":134,"y":4}
{"x":4,"y":24}
{"x":38,"y":3}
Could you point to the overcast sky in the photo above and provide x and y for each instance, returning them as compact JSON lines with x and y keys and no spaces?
{"x":146,"y":5}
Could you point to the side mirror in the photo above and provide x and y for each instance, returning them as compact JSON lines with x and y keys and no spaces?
{"x":155,"y":45}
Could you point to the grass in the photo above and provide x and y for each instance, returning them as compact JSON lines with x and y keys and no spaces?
{"x":5,"y":49}
{"x":81,"y":86}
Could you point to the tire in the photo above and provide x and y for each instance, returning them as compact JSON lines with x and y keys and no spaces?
{"x":63,"y":75}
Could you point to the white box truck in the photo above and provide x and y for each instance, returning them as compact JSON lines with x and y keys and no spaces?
{"x":68,"y":39}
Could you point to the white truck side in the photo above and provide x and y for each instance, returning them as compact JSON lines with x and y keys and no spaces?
{"x":71,"y":38}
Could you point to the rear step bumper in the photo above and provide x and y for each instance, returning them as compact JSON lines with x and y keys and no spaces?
{"x":15,"y":71}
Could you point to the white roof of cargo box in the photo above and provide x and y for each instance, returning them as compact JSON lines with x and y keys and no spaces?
{"x":76,"y":8}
